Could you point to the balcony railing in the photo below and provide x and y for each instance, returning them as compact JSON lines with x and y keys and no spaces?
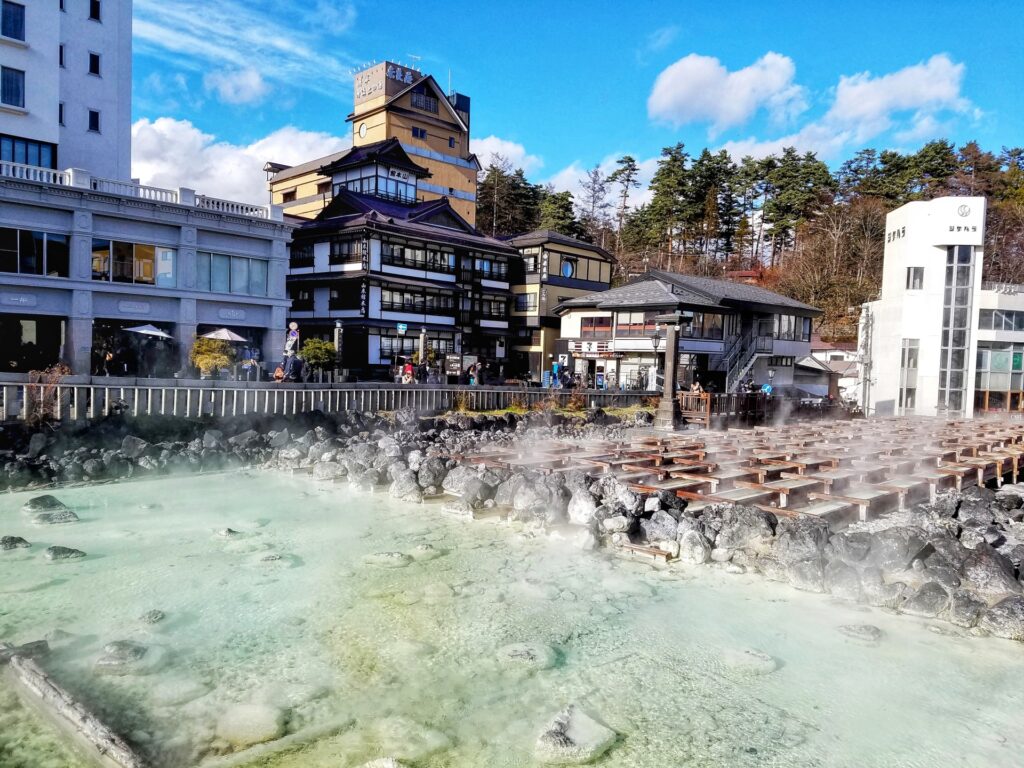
{"x":79,"y":179}
{"x":424,"y":264}
{"x":415,"y":308}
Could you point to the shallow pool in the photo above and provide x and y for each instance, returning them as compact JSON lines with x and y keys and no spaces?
{"x":291,"y":630}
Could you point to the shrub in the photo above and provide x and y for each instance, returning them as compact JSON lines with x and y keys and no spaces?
{"x":318,"y":353}
{"x":209,"y":355}
{"x":576,"y":402}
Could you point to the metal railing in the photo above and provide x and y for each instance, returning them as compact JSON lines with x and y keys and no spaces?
{"x":131,"y":189}
{"x":75,"y":402}
{"x":232,"y":207}
{"x":35,"y":173}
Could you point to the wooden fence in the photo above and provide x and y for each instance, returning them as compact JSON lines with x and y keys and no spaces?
{"x":58,"y":402}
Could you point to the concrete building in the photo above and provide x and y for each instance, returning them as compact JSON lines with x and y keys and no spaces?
{"x":82,"y":259}
{"x":389,"y":269}
{"x":65,"y":100}
{"x":552,"y":269}
{"x":730,"y":334}
{"x":395,"y":102}
{"x":939,"y":340}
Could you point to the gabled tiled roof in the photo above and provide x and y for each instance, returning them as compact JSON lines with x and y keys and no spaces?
{"x":388,"y":151}
{"x":540,"y":236}
{"x":668,"y":289}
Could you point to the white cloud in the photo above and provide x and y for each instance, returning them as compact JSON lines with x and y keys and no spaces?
{"x":243,"y":86}
{"x":910,"y":102}
{"x":174,"y":153}
{"x":287,"y":42}
{"x":700,"y":89}
{"x":657,"y":41}
{"x":489,"y":146}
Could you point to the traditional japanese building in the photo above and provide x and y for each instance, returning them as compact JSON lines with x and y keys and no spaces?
{"x":395,"y":102}
{"x":729,"y":333}
{"x":552,"y":269}
{"x":389,"y":266}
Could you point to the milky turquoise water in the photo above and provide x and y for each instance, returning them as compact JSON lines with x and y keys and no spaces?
{"x":355,"y":660}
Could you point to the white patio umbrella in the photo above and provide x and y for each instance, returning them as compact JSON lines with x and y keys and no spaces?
{"x":149,"y":330}
{"x":224,"y":335}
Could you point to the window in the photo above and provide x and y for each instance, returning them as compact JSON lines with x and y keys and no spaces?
{"x":301,"y":255}
{"x":323,"y":188}
{"x":419,"y":133}
{"x":13,"y":23}
{"x":12,"y":87}
{"x":489,"y":269}
{"x":420,"y":100}
{"x":526,"y":302}
{"x":17,"y":150}
{"x":94,"y":64}
{"x":94,"y":121}
{"x":596,"y":327}
{"x":635,"y":324}
{"x":451,"y":142}
{"x":915,"y":278}
{"x":137,"y":263}
{"x":26,"y":252}
{"x":60,"y":55}
{"x":60,"y":113}
{"x":94,"y":10}
{"x":231,"y":274}
{"x":62,"y":5}
{"x":568,"y":268}
{"x":345,"y":251}
{"x":288,"y":197}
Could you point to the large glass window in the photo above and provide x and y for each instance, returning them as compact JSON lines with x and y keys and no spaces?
{"x":223,"y":273}
{"x":122,"y":262}
{"x":596,"y":327}
{"x":634,"y":324}
{"x":145,"y":264}
{"x":123,"y":267}
{"x":955,"y":322}
{"x":12,"y":20}
{"x":12,"y":87}
{"x":165,"y":276}
{"x":27,"y":252}
{"x":526,"y":302}
{"x":17,"y":150}
{"x":915,"y":278}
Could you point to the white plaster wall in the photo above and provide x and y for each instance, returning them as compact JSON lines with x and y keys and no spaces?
{"x":38,"y":59}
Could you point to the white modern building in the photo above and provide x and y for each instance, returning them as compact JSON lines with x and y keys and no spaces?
{"x":86,"y":253}
{"x":65,"y":85}
{"x":939,"y":340}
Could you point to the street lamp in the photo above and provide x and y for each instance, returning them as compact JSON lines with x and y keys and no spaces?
{"x":655,"y":343}
{"x":337,"y":348}
{"x":771,"y":377}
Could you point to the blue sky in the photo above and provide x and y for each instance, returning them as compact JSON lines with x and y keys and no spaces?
{"x":559,"y":86}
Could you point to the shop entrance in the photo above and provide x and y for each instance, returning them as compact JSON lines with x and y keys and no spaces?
{"x":30,"y":343}
{"x":117,"y":351}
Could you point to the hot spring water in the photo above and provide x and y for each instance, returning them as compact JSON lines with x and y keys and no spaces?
{"x":292,"y":630}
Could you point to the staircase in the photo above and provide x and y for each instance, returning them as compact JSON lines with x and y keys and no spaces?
{"x":742,"y":356}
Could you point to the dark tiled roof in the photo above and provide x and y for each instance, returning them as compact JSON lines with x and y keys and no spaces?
{"x":660,"y":289}
{"x":387,"y":151}
{"x":350,"y":210}
{"x":307,"y":167}
{"x":540,"y":236}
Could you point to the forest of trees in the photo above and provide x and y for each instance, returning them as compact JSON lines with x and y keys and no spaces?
{"x":807,"y":231}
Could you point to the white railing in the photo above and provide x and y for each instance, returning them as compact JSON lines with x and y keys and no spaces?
{"x":32,"y":173}
{"x":231,"y":207}
{"x":131,"y":189}
{"x":59,"y":402}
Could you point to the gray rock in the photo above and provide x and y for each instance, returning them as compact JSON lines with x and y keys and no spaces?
{"x":842,"y":580}
{"x":862,"y":633}
{"x":133,"y":447}
{"x":850,"y":547}
{"x":573,"y":738}
{"x":36,"y":444}
{"x":694,"y":548}
{"x":989,"y":575}
{"x":879,"y":593}
{"x":1005,"y":618}
{"x":894,"y":549}
{"x":964,"y":608}
{"x":928,"y":601}
{"x":582,"y":509}
{"x":615,"y":524}
{"x":62,"y":553}
{"x":432,"y":472}
{"x":213,"y":438}
{"x":327,"y":470}
{"x":459,"y":478}
{"x":45,"y":503}
{"x":154,"y":616}
{"x":741,"y":527}
{"x":94,"y":468}
{"x":660,"y":527}
{"x":800,"y":538}
{"x":13,"y":542}
{"x":808,"y":575}
{"x":405,"y":487}
{"x":279,"y":439}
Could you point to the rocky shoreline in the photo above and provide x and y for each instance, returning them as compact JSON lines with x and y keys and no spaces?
{"x":958,"y":560}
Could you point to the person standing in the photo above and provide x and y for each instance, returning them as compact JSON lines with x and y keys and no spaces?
{"x":291,"y":349}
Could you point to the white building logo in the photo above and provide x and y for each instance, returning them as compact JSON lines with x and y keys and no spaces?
{"x":964,"y":210}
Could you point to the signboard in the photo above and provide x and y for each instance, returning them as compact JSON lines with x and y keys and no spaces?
{"x":402,"y":328}
{"x":452,"y":365}
{"x":600,"y":379}
{"x":563,"y":359}
{"x":499,"y":349}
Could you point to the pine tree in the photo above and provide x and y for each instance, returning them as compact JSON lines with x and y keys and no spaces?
{"x":626,"y":177}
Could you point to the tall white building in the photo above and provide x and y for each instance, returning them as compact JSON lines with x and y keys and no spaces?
{"x":939,"y":340}
{"x":65,"y":85}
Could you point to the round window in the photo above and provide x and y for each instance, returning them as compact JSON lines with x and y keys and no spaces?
{"x":568,"y":268}
{"x":362,"y":130}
